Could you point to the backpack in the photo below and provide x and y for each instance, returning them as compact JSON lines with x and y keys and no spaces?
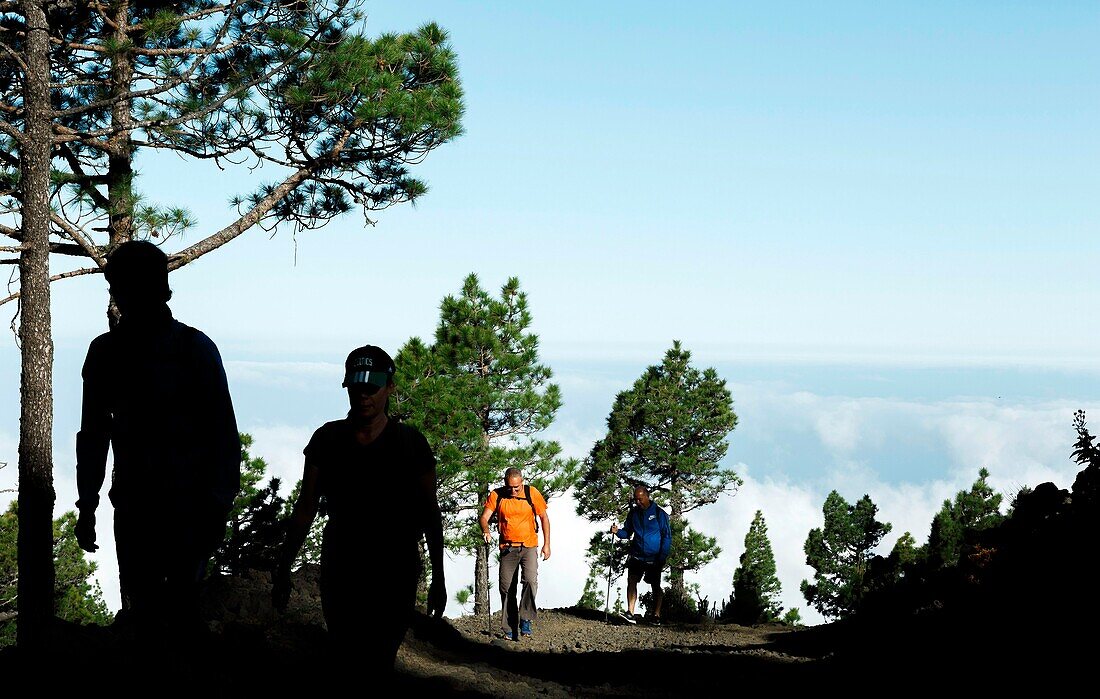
{"x":504,"y":492}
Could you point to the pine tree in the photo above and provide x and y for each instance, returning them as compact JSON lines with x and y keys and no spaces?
{"x":590,"y":596}
{"x":972,"y":510}
{"x":86,"y":87}
{"x":481,"y":397}
{"x":756,"y":587}
{"x":840,"y":554}
{"x":606,"y":557}
{"x":667,"y":432}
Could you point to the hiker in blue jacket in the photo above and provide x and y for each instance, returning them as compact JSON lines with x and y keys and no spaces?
{"x":650,"y":541}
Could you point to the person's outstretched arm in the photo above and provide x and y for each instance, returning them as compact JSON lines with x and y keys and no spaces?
{"x":486,"y":513}
{"x":305,"y":511}
{"x":92,"y":442}
{"x":625,"y":531}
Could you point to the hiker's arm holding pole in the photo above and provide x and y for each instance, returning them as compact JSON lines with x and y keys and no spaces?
{"x":624,"y":531}
{"x":485,"y":515}
{"x":305,"y":511}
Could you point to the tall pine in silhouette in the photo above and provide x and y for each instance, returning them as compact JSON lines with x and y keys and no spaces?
{"x":668,"y":432}
{"x":840,"y":554}
{"x":481,"y":397}
{"x":755,"y":585}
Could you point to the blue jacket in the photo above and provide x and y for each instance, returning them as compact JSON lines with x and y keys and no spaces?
{"x":652,"y":536}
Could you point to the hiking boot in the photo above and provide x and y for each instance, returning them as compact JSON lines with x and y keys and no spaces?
{"x":654,"y":621}
{"x":509,"y":635}
{"x":525,"y":627}
{"x":628,"y":617}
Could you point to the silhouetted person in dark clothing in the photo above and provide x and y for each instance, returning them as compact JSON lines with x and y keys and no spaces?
{"x":155,"y":392}
{"x":378,"y":479}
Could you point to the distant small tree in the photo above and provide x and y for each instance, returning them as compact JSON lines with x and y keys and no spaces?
{"x":756,"y":587}
{"x":256,"y":535}
{"x":463,"y":595}
{"x":255,"y":528}
{"x":840,"y":553}
{"x":972,"y":510}
{"x":590,"y":596}
{"x":310,"y":553}
{"x":884,"y":573}
{"x":793,"y":617}
{"x":668,"y":432}
{"x":76,"y":596}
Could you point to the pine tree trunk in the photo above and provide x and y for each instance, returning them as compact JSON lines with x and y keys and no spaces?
{"x":481,"y":580}
{"x":36,"y":493}
{"x":676,"y":523}
{"x":120,"y":171}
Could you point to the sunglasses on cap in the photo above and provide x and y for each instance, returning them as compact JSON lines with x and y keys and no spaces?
{"x":367,"y":388}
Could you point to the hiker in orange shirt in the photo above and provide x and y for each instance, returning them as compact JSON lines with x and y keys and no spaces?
{"x":516,"y":507}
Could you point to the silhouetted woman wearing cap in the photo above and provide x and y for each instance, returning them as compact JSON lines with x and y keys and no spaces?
{"x":378,"y":479}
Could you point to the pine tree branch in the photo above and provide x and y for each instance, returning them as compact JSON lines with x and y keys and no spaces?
{"x":200,"y":14}
{"x":78,"y":169}
{"x":86,"y":246}
{"x":57,"y":277}
{"x":242,"y":224}
{"x":12,"y":132}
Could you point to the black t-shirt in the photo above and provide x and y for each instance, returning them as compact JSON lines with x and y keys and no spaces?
{"x":372,"y":491}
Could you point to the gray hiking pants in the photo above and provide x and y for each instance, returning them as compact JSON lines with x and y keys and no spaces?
{"x":513,"y":560}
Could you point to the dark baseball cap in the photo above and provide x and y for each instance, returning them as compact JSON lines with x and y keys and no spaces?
{"x":368,"y":364}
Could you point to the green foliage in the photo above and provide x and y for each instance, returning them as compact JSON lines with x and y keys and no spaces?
{"x":972,"y":510}
{"x":691,"y":550}
{"x":793,"y":617}
{"x":668,"y":432}
{"x":339,"y":117}
{"x":839,"y":553}
{"x":255,"y":528}
{"x":310,"y":553}
{"x":76,"y":597}
{"x":677,"y":605}
{"x":590,"y":596}
{"x":904,"y":558}
{"x":604,"y":551}
{"x":481,"y":397}
{"x":463,"y":595}
{"x":618,"y":607}
{"x":756,"y":587}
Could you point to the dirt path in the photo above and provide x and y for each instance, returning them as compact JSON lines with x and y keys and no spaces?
{"x":573,"y":653}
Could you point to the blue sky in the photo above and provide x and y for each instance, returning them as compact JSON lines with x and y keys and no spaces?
{"x":878,"y":222}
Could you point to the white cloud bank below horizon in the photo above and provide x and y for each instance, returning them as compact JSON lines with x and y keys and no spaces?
{"x":851,"y":444}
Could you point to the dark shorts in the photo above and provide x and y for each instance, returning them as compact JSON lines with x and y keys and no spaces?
{"x":650,"y":572}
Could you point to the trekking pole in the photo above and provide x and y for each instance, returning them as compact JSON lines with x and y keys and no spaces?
{"x":488,"y":598}
{"x":610,"y":557}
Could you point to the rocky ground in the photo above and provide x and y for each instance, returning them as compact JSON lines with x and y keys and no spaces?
{"x":576,"y":653}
